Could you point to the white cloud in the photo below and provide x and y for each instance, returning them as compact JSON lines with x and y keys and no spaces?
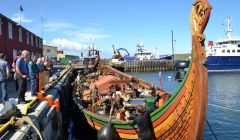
{"x":89,"y":36}
{"x":94,"y":24}
{"x":56,"y":26}
{"x":68,"y":45}
{"x":16,"y":18}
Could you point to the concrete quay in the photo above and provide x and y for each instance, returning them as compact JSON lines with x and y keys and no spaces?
{"x":45,"y":116}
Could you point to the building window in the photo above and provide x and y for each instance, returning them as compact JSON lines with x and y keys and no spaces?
{"x":223,"y":51}
{"x":238,"y":51}
{"x":36,"y":41}
{"x":10,"y":33}
{"x":228,"y":51}
{"x":31,"y":39}
{"x":28,"y":38}
{"x":14,"y":53}
{"x":20,"y":35}
{"x":233,"y":51}
{"x":40,"y":43}
{"x":1,"y":26}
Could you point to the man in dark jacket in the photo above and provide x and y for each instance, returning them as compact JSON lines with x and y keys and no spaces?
{"x":144,"y":123}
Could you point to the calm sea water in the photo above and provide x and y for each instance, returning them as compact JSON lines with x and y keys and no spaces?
{"x":223,"y":101}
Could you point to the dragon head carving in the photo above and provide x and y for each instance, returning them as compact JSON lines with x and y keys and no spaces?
{"x":200,"y":14}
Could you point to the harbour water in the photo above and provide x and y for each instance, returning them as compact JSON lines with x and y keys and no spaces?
{"x":223,"y":101}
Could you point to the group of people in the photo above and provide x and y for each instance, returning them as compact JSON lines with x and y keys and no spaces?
{"x":24,"y":69}
{"x":28,"y":69}
{"x":143,"y":111}
{"x":142,"y":119}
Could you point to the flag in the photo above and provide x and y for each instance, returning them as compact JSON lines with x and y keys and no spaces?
{"x":210,"y":43}
{"x":21,"y":9}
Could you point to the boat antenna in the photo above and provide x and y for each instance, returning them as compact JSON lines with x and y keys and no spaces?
{"x":229,"y":29}
{"x":172,"y":49}
{"x":42,"y":20}
{"x":139,"y":43}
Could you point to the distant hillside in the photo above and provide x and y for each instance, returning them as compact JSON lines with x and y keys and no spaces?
{"x":181,"y":56}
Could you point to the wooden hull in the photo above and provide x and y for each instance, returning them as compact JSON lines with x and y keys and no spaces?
{"x":183,"y":115}
{"x":172,"y":120}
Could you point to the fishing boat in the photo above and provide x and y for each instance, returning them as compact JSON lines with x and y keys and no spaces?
{"x":224,"y":55}
{"x":139,"y":55}
{"x":181,"y":116}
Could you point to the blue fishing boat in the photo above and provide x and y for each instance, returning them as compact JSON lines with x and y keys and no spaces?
{"x":224,"y":55}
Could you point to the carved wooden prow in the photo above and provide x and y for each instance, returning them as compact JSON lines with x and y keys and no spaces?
{"x":200,"y":14}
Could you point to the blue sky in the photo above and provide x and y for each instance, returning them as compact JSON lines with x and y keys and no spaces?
{"x":75,"y":24}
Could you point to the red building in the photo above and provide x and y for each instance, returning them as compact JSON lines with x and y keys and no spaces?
{"x":14,"y":38}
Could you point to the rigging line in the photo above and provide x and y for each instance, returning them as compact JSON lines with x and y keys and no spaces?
{"x":211,"y":130}
{"x":226,"y":108}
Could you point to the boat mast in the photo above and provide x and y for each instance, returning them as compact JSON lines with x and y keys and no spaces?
{"x":139,"y":44}
{"x":172,"y":48}
{"x":228,"y":30}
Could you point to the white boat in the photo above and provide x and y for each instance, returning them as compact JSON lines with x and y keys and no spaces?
{"x":224,"y":55}
{"x":141,"y":53}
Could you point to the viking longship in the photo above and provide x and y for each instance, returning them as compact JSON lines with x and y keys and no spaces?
{"x":182,"y":115}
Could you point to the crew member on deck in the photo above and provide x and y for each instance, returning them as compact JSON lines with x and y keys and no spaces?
{"x":143,"y":121}
{"x":150,"y":102}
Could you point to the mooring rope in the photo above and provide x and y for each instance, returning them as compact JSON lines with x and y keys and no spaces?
{"x":30,"y":122}
{"x":226,"y":108}
{"x":211,"y":130}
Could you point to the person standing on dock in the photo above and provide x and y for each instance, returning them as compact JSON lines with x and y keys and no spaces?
{"x":33,"y":71}
{"x":14,"y":66}
{"x":22,"y":76}
{"x":4,"y":74}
